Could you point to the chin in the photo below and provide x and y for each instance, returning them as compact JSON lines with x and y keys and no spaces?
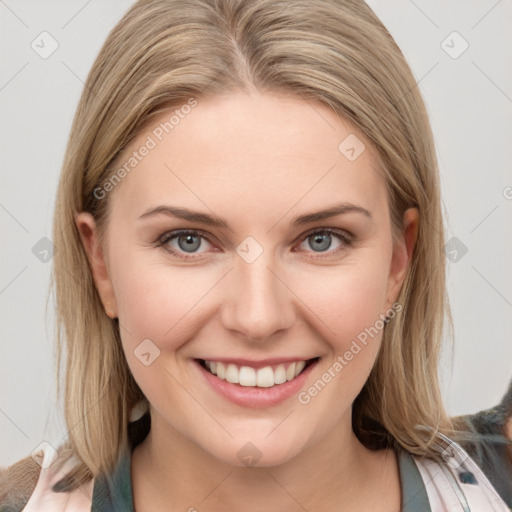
{"x":259,"y":453}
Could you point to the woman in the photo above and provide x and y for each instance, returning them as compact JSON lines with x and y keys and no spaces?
{"x":216,"y":359}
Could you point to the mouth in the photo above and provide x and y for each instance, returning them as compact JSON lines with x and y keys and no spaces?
{"x":264,"y":377}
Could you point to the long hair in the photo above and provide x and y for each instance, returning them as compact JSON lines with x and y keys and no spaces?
{"x":161,"y":54}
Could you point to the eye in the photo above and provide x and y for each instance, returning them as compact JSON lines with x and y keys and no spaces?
{"x":188,"y":241}
{"x":185,"y":244}
{"x":321,"y":240}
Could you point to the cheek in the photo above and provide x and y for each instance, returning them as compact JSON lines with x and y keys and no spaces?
{"x":351,"y":310}
{"x":349,"y":306}
{"x":347,"y":298}
{"x":159,"y":312}
{"x":160,"y":302}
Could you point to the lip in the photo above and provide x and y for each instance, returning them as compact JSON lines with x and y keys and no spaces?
{"x":255,"y":397}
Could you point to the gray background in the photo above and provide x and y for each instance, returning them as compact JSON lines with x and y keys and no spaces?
{"x":469,"y":99}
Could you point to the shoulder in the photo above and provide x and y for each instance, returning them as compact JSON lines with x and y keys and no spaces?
{"x":456,"y":482}
{"x":27,"y":486}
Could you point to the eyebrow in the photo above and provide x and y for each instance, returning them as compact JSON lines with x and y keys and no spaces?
{"x":219,"y":222}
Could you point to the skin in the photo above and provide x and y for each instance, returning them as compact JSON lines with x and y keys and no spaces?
{"x":259,"y":161}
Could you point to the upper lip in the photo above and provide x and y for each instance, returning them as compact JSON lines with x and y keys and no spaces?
{"x":261,"y":363}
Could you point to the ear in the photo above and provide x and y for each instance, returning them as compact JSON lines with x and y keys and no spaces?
{"x":402,"y":254}
{"x":87,"y":228}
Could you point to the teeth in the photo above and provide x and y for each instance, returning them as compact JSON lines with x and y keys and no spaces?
{"x":279,"y":374}
{"x":263,"y":378}
{"x":247,"y":376}
{"x":290,"y":373}
{"x":232,"y":374}
{"x":221,"y":371}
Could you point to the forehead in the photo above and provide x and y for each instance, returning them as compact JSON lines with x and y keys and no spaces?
{"x":248,"y":149}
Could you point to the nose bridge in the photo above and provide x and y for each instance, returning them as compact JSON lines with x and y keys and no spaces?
{"x":259,"y":303}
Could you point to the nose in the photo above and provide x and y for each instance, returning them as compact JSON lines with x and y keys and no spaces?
{"x":258,"y":303}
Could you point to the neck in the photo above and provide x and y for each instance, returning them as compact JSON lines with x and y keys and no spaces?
{"x":337,"y":473}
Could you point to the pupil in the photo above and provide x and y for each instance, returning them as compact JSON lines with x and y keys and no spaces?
{"x":322,"y":238}
{"x":189,"y":245}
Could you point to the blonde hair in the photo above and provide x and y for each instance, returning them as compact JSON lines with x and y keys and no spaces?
{"x":161,"y":54}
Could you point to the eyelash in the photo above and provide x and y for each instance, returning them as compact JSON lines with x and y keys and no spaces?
{"x":343,"y":236}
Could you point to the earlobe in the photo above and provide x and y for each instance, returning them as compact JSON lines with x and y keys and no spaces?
{"x":402,"y":253}
{"x":86,"y":225}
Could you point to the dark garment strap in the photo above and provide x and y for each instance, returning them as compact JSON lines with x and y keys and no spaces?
{"x":414,"y":493}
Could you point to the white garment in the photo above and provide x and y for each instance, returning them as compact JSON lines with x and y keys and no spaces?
{"x":446,"y":493}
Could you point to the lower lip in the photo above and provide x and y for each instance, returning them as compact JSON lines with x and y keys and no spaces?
{"x":251,"y":396}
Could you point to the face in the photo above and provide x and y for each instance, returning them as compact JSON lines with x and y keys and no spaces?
{"x":242,"y":275}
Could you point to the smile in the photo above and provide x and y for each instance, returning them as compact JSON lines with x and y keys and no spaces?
{"x":265,"y":377}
